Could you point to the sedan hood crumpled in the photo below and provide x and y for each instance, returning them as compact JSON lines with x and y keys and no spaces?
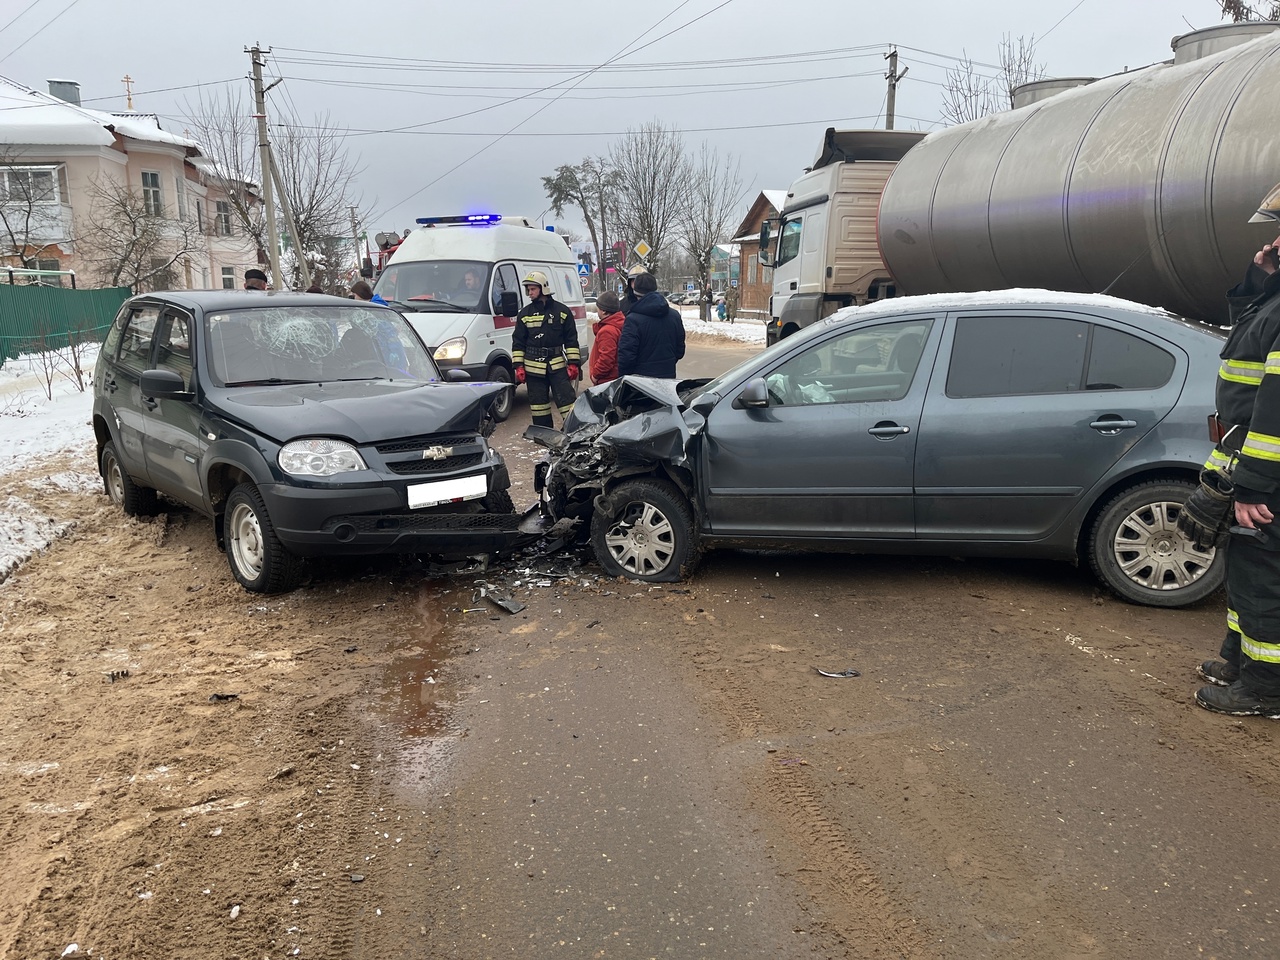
{"x":363,"y":411}
{"x":642,"y":419}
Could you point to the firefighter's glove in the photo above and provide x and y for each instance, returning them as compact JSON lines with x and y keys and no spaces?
{"x":1207,"y":514}
{"x":519,"y":374}
{"x":572,"y":370}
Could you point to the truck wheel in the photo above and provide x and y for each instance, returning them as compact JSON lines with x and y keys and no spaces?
{"x":649,"y":536}
{"x":502,"y":407}
{"x":1136,"y":550}
{"x":258,"y":559}
{"x":135,"y":500}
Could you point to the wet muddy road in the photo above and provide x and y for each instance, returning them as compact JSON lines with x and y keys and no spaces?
{"x":385,"y":764}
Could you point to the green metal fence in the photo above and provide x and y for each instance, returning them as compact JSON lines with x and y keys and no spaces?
{"x":34,"y":317}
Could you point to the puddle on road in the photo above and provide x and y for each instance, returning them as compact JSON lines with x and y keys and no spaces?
{"x":414,"y":706}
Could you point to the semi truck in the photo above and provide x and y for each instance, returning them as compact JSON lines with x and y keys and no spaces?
{"x":1140,"y":185}
{"x":825,"y":235}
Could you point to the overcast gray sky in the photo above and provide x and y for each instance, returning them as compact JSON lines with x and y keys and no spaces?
{"x":760,"y":79}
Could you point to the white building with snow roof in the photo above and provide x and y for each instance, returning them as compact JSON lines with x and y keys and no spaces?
{"x":58,"y":157}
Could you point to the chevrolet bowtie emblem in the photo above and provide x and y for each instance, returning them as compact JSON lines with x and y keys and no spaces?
{"x":437,"y":453}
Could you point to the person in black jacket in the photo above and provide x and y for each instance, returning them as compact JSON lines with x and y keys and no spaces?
{"x":1241,"y":483}
{"x":544,"y":350}
{"x":630,"y":298}
{"x":653,"y":335}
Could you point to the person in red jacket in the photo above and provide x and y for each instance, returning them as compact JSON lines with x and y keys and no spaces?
{"x":603,"y":361}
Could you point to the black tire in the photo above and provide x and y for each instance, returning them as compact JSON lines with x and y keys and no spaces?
{"x":503,"y":406}
{"x":1137,"y":551}
{"x":257,"y":558}
{"x":499,"y":501}
{"x":649,"y":536}
{"x":134,"y":499}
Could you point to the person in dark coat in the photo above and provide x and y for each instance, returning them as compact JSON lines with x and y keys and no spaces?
{"x":653,"y":335}
{"x":629,"y":297}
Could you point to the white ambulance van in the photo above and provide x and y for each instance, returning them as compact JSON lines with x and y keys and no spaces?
{"x":458,"y":282}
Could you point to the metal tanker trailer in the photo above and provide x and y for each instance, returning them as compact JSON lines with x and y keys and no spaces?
{"x":1139,"y":184}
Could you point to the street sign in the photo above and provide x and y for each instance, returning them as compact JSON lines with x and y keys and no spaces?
{"x":583,"y":281}
{"x":584,"y":270}
{"x":642,"y":249}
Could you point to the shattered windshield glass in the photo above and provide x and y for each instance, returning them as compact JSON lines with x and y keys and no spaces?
{"x":314,"y":343}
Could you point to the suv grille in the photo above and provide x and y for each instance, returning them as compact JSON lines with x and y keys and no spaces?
{"x":435,"y":466}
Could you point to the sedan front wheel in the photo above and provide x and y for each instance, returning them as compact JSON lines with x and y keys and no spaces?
{"x":1136,"y":550}
{"x":649,"y":535}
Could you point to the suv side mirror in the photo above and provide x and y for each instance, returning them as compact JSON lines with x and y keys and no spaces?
{"x":509,"y":303}
{"x":164,"y":384}
{"x":754,"y":395}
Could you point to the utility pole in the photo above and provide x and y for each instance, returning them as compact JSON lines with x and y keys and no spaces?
{"x":355,"y":239}
{"x":303,"y":268}
{"x":264,"y":160}
{"x":893,"y":76}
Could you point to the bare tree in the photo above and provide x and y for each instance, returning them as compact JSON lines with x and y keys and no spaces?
{"x":128,"y":243}
{"x":28,"y":222}
{"x":652,"y":185}
{"x":590,"y":186}
{"x":228,"y":135}
{"x":968,"y":94}
{"x":1239,"y":11}
{"x":713,"y":207}
{"x":318,"y":173}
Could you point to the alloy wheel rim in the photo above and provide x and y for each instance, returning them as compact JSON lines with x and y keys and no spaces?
{"x":1151,"y":552}
{"x":642,"y":540}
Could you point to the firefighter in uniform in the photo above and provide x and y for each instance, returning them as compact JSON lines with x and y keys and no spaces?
{"x":1240,"y":493}
{"x":544,"y":349}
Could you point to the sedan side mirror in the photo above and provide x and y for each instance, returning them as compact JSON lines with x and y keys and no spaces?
{"x":754,"y":394}
{"x":456,"y":375}
{"x":165,"y":384}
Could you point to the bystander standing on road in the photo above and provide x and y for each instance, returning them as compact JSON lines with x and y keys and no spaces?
{"x":360,"y":290}
{"x":255,"y":279}
{"x":629,"y":297}
{"x":652,"y":337}
{"x":603,"y":362}
{"x":1241,"y":481}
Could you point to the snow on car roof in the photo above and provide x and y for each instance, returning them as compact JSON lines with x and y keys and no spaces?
{"x":990,"y":298}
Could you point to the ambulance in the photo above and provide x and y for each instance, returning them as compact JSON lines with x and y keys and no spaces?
{"x":458,"y":282}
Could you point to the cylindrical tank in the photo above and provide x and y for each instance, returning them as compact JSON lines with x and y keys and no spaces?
{"x":1033,"y":91}
{"x":1140,"y":184}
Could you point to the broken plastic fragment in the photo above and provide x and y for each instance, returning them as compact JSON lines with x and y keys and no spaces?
{"x":840,"y":673}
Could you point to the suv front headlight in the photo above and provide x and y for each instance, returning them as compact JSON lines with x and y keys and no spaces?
{"x":454,"y":349}
{"x":319,"y":458}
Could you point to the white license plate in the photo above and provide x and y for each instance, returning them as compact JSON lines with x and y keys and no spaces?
{"x":444,"y":491}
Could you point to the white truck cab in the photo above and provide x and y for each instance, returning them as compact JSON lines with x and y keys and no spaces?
{"x":458,"y":282}
{"x":827,"y":253}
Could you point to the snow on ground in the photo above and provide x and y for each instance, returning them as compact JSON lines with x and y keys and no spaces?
{"x":36,"y":429}
{"x":742,"y":330}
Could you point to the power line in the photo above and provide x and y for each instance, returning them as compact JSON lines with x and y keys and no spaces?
{"x":618,"y":55}
{"x":137,"y":93}
{"x":19,"y":16}
{"x":38,"y":32}
{"x":1059,"y":23}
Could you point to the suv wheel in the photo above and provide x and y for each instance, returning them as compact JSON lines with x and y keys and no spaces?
{"x":258,"y":559}
{"x":502,"y":407}
{"x":649,"y":536}
{"x":134,"y":500}
{"x":1136,"y":550}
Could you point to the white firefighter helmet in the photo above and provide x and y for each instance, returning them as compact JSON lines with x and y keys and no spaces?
{"x":540,"y":278}
{"x":1269,"y":208}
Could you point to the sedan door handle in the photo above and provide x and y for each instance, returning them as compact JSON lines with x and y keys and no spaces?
{"x":887,"y":430}
{"x":1113,"y":426}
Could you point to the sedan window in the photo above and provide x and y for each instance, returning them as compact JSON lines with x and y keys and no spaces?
{"x":1121,"y":361}
{"x":1011,"y":356}
{"x":868,"y":364}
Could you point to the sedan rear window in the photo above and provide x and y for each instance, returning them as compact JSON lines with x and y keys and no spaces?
{"x":1008,"y":356}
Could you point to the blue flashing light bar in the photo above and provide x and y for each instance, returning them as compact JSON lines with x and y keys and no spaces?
{"x":478,"y":219}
